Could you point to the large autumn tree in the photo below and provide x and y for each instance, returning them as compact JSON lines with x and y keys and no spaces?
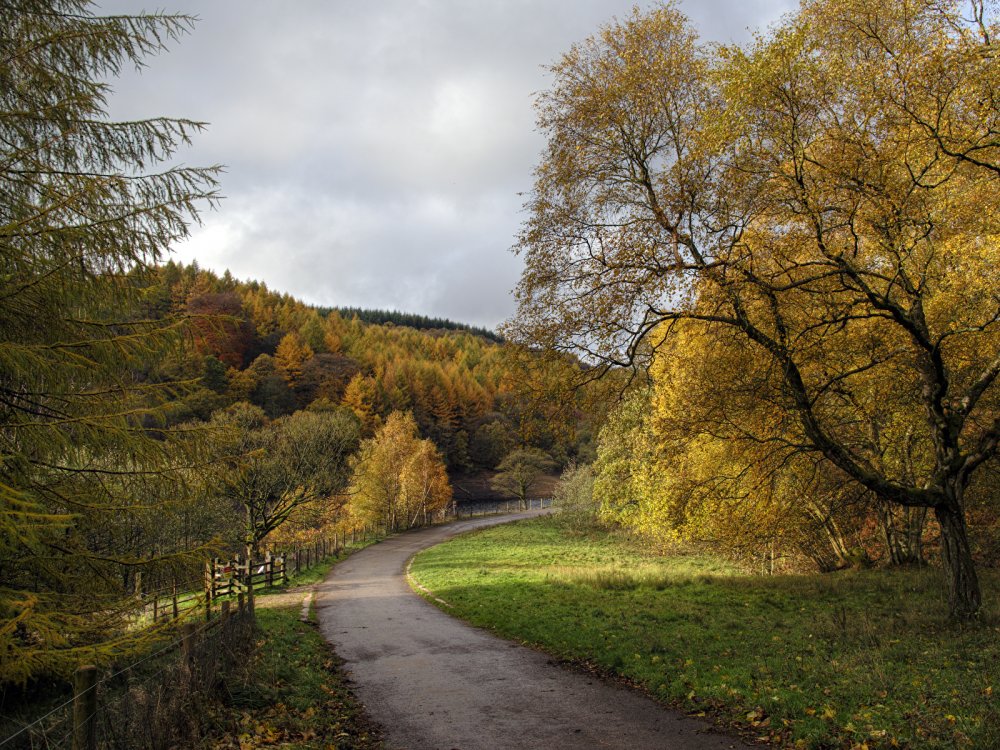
{"x":827,"y":194}
{"x":85,"y":211}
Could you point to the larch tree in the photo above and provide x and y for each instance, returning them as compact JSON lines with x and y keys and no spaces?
{"x":84,"y":215}
{"x":361,"y":397}
{"x":290,"y":357}
{"x":827,"y":194}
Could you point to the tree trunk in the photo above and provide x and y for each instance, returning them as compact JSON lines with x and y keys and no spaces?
{"x":916,"y":519}
{"x":834,"y":553}
{"x":903,"y":531}
{"x":964,"y":596}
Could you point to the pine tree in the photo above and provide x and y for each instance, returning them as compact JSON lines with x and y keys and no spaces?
{"x":84,"y":215}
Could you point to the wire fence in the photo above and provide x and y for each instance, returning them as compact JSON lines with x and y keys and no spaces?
{"x":156,"y":701}
{"x":474,"y":508}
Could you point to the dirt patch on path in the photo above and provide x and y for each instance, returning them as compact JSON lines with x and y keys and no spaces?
{"x":291,"y":598}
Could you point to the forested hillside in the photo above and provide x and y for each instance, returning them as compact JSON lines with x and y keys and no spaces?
{"x":474,"y":398}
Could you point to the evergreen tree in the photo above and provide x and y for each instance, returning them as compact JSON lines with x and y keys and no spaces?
{"x":84,"y":215}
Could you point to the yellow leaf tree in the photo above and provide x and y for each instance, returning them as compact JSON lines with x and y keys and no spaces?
{"x":827,"y":195}
{"x":399,"y":480}
{"x":361,"y":397}
{"x":86,"y":211}
{"x":291,"y":355}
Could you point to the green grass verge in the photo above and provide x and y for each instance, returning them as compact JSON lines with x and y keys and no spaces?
{"x":292,"y":693}
{"x":859,"y":659}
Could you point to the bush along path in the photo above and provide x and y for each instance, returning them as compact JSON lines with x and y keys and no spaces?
{"x":434,"y":682}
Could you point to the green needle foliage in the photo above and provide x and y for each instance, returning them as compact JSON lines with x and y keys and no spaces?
{"x":87,"y":207}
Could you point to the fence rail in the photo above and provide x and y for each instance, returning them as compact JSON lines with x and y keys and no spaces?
{"x":474,"y":508}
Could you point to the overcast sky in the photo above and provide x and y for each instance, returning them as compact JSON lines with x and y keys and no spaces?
{"x":375,"y":149}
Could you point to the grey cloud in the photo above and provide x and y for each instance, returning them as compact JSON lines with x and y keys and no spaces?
{"x":375,"y":150}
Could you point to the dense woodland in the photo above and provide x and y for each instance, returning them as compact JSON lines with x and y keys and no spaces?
{"x":467,"y":393}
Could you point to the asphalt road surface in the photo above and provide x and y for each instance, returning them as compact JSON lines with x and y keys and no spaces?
{"x":433,"y":682}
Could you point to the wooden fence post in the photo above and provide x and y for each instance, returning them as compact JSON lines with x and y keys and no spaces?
{"x":209,"y":578}
{"x":234,"y":574}
{"x":225,"y":613}
{"x":284,"y":567}
{"x":188,"y":635}
{"x":269,"y":569}
{"x":85,"y":708}
{"x":177,"y":612}
{"x":249,"y":586}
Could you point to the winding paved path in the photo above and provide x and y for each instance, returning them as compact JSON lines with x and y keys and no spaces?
{"x":434,"y":682}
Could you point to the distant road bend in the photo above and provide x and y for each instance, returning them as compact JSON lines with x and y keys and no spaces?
{"x":435,"y":683}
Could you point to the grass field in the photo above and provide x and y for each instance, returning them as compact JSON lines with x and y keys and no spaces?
{"x":859,"y":659}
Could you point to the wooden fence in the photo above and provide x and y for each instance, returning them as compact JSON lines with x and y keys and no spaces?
{"x":227,"y":578}
{"x":243,"y":576}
